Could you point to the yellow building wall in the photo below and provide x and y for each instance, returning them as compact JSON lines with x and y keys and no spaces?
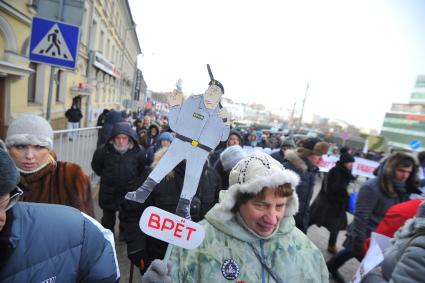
{"x":107,"y":20}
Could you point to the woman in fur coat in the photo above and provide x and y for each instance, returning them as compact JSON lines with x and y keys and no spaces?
{"x":44,"y":179}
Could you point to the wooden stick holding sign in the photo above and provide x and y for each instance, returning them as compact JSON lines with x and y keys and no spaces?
{"x":171,"y":228}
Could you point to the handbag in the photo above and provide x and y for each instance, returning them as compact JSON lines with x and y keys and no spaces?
{"x":351,"y":206}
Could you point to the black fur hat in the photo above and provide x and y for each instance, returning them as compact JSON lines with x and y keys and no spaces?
{"x":10,"y":175}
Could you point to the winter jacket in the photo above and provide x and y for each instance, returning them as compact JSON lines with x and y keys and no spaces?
{"x":404,"y":261}
{"x":278,"y":155}
{"x":307,"y":173}
{"x":226,"y":250}
{"x":112,"y":118}
{"x":395,"y":218}
{"x":329,"y":208}
{"x":152,"y":140}
{"x":54,"y":243}
{"x":371,"y":205}
{"x":119,"y":173}
{"x":165,"y":196}
{"x":224,"y":175}
{"x":73,"y":115}
{"x":60,"y":182}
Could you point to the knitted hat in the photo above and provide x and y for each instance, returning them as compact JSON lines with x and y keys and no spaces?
{"x":346,"y":158}
{"x":30,"y":129}
{"x":10,"y":175}
{"x":231,"y":155}
{"x":253,"y":173}
{"x":166,"y":136}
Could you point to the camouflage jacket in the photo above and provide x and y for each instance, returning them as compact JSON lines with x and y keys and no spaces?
{"x":226,"y":255}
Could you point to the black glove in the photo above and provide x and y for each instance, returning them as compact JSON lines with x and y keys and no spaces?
{"x":139,"y":259}
{"x":157,"y":272}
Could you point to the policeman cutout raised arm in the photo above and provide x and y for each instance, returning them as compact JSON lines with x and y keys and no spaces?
{"x":200,"y":123}
{"x":175,"y":98}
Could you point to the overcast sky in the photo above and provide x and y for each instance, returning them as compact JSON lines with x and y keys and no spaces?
{"x":358,"y":56}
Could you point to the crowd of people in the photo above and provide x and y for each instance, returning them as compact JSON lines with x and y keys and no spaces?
{"x":256,"y":208}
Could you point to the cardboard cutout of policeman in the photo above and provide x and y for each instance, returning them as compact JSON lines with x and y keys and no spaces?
{"x":200,"y":123}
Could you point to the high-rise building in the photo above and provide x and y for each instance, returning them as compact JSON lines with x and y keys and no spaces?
{"x":405,"y":123}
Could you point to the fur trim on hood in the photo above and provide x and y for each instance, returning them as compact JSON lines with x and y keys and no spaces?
{"x":252,"y":174}
{"x":386,"y":173}
{"x":292,"y":156}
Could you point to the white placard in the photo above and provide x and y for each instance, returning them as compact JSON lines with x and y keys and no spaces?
{"x":171,"y":228}
{"x":374,"y":256}
{"x":327,"y":162}
{"x":364,"y":167}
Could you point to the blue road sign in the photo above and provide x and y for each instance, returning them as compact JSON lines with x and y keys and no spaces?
{"x":54,"y":43}
{"x":415,"y":144}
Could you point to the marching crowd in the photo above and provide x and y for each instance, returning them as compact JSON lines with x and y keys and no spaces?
{"x":256,"y":208}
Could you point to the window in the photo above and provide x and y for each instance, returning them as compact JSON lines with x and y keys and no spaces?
{"x":113,"y":54}
{"x":101,"y":41}
{"x":32,"y":83}
{"x":108,"y":43}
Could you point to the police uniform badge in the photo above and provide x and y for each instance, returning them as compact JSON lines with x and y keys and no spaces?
{"x":230,"y":269}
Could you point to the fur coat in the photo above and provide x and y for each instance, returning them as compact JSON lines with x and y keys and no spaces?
{"x":59,"y":182}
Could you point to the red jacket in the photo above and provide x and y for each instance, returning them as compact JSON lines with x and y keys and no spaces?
{"x":395,"y":218}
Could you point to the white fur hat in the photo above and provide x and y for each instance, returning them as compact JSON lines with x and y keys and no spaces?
{"x":251,"y":175}
{"x":30,"y":129}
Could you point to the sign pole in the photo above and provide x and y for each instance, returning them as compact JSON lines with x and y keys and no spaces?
{"x":49,"y":98}
{"x":53,"y":70}
{"x":168,"y":253}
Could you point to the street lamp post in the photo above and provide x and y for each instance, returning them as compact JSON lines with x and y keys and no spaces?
{"x":302,"y":108}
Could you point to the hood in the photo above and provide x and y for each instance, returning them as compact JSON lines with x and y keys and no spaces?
{"x":385,"y":174}
{"x":113,"y":117}
{"x":234,"y":229}
{"x":153,"y":126}
{"x":292,"y":156}
{"x":123,"y":128}
{"x":236,"y":133}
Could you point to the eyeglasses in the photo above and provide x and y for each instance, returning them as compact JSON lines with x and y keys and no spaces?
{"x":13,"y":199}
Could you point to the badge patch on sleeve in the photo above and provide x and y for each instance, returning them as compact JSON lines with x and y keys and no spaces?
{"x":198,"y":116}
{"x":230,"y":269}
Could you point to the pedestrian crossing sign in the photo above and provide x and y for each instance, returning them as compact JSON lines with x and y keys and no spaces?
{"x":54,"y":43}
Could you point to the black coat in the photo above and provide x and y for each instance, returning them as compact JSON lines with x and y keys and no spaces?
{"x":224,"y":175}
{"x":119,"y":173}
{"x":279,"y":156}
{"x":329,"y":208}
{"x":165,"y":196}
{"x":307,"y":173}
{"x":73,"y":115}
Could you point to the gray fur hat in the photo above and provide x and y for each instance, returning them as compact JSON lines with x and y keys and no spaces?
{"x":9,"y":172}
{"x":30,"y":129}
{"x":231,"y":156}
{"x":253,"y":173}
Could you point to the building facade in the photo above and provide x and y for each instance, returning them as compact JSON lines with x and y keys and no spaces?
{"x":406,"y":122}
{"x":106,"y":70}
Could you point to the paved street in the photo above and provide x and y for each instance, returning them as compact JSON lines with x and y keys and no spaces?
{"x":318,"y":235}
